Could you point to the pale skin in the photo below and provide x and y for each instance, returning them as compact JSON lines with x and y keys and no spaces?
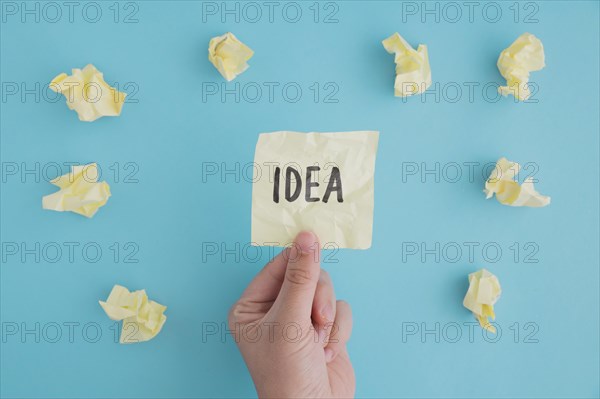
{"x":291,"y":330}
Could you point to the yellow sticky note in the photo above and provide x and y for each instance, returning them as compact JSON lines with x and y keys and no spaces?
{"x":322,"y":182}
{"x":80,"y":192}
{"x":515,"y":63}
{"x":484,"y":290}
{"x":413,"y":74}
{"x":88,"y":94}
{"x":229,"y":55}
{"x":502,"y":182}
{"x":142,"y":319}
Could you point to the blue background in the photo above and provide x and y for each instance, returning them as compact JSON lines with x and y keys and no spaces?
{"x":164,"y":138}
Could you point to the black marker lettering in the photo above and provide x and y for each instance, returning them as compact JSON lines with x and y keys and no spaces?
{"x":335,"y":184}
{"x":310,"y":184}
{"x":288,"y":182}
{"x":276,"y":185}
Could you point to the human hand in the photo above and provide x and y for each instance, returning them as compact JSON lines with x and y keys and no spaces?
{"x":290,"y":329}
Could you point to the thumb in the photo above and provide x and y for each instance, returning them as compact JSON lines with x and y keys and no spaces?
{"x":301,"y":277}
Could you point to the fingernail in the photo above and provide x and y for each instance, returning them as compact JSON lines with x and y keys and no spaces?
{"x":306,"y":241}
{"x":328,"y":354}
{"x":327,"y":313}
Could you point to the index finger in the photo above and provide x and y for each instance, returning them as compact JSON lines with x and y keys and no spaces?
{"x":265,"y":286}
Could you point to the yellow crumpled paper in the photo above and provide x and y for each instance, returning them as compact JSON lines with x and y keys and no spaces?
{"x":142,"y":319}
{"x":88,"y":94}
{"x":322,"y":182}
{"x":229,"y":55}
{"x":502,"y":182}
{"x":413,"y":74}
{"x":484,"y":290}
{"x":525,"y":55}
{"x":79,"y":191}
